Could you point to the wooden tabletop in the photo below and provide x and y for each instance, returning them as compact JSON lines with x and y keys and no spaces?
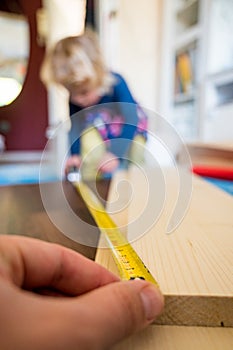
{"x":22,"y":212}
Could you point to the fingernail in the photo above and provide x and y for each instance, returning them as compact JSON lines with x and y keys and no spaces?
{"x":152,"y":301}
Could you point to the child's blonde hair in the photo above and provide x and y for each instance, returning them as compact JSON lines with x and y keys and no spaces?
{"x":76,"y":63}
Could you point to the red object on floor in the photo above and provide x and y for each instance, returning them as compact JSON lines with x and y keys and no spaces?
{"x":216,"y":172}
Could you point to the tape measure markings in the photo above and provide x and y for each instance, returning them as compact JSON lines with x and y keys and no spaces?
{"x":128,"y":262}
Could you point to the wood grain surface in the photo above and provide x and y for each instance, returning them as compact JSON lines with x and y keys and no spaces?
{"x":193,"y":265}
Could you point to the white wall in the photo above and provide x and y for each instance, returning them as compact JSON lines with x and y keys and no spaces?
{"x":63,"y":19}
{"x":16,"y":43}
{"x":131,"y":40}
{"x":140,"y":48}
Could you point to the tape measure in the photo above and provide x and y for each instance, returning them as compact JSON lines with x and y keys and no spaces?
{"x":128,"y":262}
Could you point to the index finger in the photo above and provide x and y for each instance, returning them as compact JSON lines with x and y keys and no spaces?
{"x":32,"y":263}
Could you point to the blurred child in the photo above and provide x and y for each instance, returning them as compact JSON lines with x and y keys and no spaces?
{"x":107,"y":126}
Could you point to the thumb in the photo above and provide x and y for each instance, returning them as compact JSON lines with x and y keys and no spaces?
{"x":115,"y":311}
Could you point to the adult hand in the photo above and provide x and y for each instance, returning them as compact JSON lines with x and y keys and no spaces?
{"x":100,"y":309}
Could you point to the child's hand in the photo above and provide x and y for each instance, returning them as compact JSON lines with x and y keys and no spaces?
{"x":74,"y":161}
{"x":108,"y":163}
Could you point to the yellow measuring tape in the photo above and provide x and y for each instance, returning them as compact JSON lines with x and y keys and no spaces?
{"x":129,"y":264}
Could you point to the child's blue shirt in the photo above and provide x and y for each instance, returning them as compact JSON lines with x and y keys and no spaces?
{"x":117,"y":117}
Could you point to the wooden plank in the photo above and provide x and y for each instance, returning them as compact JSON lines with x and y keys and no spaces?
{"x":179,"y":338}
{"x":193,"y":265}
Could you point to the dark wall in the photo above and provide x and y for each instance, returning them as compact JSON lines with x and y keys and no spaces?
{"x":27,"y":116}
